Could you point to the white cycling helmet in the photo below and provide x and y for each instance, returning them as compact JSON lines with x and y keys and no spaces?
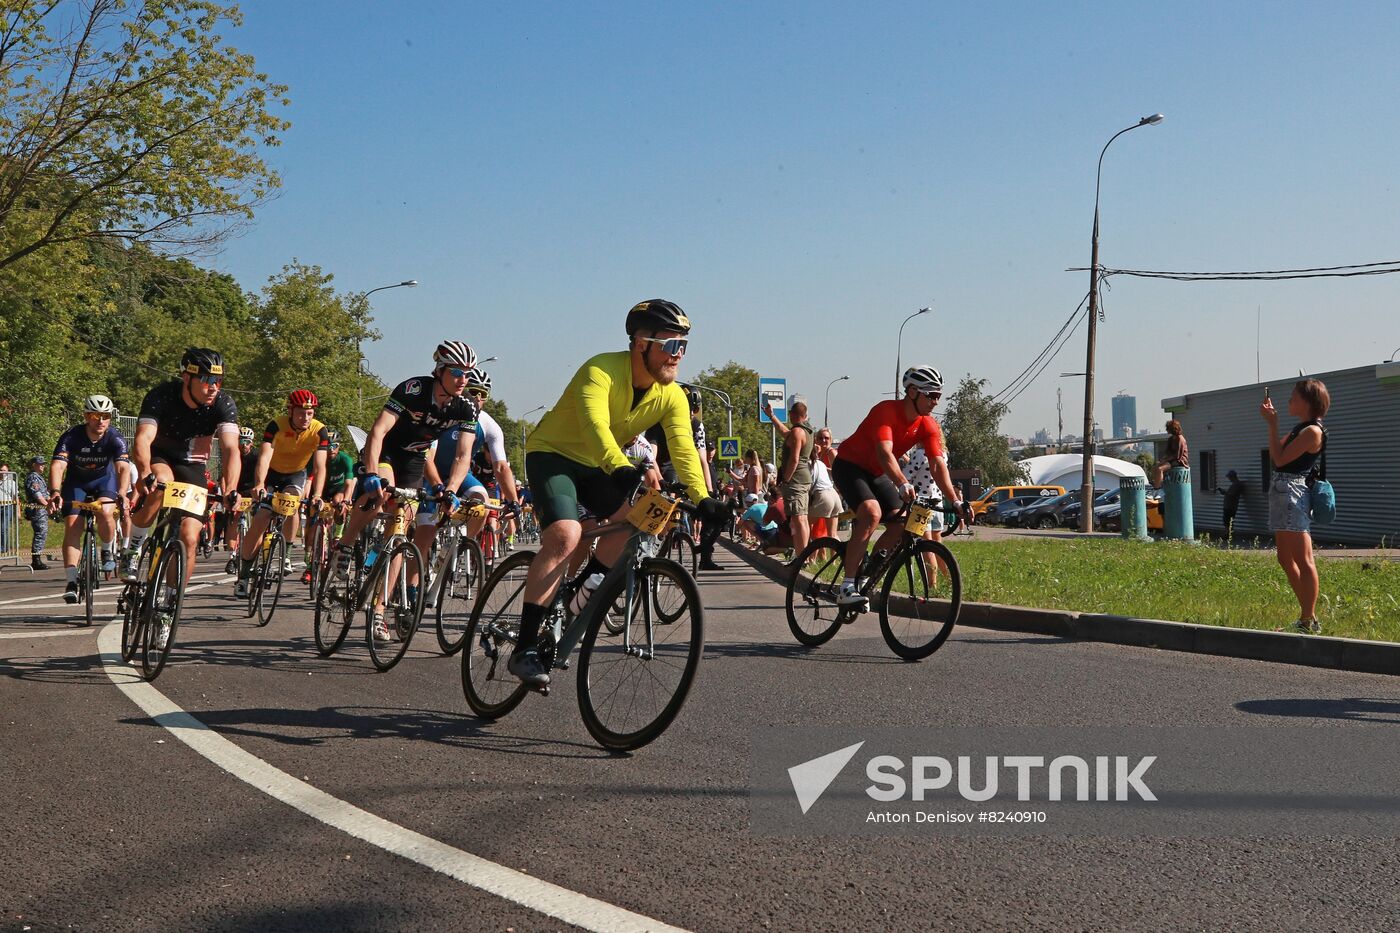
{"x":479,"y":379}
{"x":245,"y":435}
{"x":98,"y":403}
{"x":925,"y":379}
{"x":454,"y":353}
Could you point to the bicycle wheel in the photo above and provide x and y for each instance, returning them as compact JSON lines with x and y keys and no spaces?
{"x":461,"y":582}
{"x":317,"y":554}
{"x":132,"y":602}
{"x":630,"y":688}
{"x":270,"y":579}
{"x":919,"y":600}
{"x":402,"y":609}
{"x":681,"y":549}
{"x":333,"y":614}
{"x":491,"y":690}
{"x":87,"y":573}
{"x":812,"y":612}
{"x":162,"y":599}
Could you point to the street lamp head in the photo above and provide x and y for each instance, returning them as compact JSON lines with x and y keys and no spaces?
{"x":923,"y":310}
{"x":413,"y":283}
{"x":1152,"y":120}
{"x":843,"y":379}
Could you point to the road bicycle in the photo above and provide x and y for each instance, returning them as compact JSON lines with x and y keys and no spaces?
{"x":88,"y":563}
{"x":324,"y":532}
{"x":380,"y":568}
{"x":457,"y":568}
{"x":919,"y":590}
{"x":150,"y":604}
{"x":265,"y":584}
{"x":633,"y":676}
{"x":679,"y":546}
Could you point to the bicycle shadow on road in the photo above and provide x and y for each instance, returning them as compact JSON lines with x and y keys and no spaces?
{"x":330,"y":725}
{"x":794,"y":652}
{"x":83,"y":670}
{"x":298,"y":655}
{"x":1354,"y":709}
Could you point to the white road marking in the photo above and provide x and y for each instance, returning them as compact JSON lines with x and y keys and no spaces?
{"x":113,"y":584}
{"x":517,"y":887}
{"x":49,"y":633}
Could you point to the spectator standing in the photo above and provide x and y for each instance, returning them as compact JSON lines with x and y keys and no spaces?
{"x":1176,"y":455}
{"x":9,"y":499}
{"x":795,"y":468}
{"x":823,"y":449}
{"x":36,"y":497}
{"x":750,"y":477}
{"x":1295,"y":459}
{"x":824,"y":503}
{"x":1234,"y":491}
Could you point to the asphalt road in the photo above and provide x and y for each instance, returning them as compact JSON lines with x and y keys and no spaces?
{"x":116,"y":824}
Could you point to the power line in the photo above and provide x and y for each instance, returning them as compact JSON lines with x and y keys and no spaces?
{"x":1268,"y":275}
{"x":1016,"y":386}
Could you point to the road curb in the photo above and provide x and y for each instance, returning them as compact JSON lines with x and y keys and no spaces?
{"x":1347,"y":654}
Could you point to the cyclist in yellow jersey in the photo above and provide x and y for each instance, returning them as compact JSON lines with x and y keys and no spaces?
{"x":290,"y":444}
{"x":574,"y":457}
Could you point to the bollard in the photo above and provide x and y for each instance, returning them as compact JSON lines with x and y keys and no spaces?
{"x":1132,"y":501}
{"x":1177,"y":521}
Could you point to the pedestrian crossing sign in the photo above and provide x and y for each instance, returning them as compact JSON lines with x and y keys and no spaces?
{"x":728,"y":448}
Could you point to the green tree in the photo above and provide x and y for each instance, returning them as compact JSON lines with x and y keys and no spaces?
{"x":741,"y":384}
{"x":972,"y":428}
{"x":308,"y":336}
{"x":130,"y":119}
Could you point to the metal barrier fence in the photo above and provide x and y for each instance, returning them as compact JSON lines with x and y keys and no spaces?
{"x":9,"y":518}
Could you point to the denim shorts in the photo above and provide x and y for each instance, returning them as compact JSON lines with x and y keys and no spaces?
{"x":1290,"y":503}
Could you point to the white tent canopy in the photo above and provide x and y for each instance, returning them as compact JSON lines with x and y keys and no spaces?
{"x":1067,"y":470}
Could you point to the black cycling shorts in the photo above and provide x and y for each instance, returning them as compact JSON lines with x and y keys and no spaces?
{"x":285,"y":482}
{"x":561,"y":485}
{"x":857,"y":485}
{"x":407,"y":469}
{"x":185,"y":471}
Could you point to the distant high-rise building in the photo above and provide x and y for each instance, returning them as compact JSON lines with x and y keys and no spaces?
{"x":1042,"y":437}
{"x":1124,"y":415}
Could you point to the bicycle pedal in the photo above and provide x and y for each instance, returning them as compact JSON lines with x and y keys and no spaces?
{"x":563,"y":665}
{"x":542,"y":691}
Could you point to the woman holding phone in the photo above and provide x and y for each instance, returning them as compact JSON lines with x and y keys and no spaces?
{"x":1294,"y":458}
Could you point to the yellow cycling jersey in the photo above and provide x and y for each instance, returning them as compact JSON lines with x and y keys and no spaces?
{"x":595,"y":416}
{"x":291,"y":450}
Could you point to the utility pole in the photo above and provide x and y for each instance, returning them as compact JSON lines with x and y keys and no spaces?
{"x":1060,"y":408}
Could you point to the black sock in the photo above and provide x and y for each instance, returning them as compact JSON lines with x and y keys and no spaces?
{"x":531,"y":615}
{"x":593,"y":566}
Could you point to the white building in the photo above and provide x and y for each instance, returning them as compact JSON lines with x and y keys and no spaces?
{"x":1067,"y":470}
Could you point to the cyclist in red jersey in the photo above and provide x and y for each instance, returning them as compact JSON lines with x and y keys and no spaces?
{"x":867,"y":472}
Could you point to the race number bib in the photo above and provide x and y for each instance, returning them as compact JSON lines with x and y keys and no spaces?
{"x":244,"y":504}
{"x":917,"y":522}
{"x":652,"y":513}
{"x":401,"y":523}
{"x":469,"y":510}
{"x":285,"y":503}
{"x":185,"y":497}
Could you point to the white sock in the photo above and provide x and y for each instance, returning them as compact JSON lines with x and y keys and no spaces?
{"x":138,"y":534}
{"x":848,"y":581}
{"x":71,"y":573}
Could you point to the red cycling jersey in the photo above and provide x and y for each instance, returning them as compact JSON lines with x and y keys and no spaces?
{"x":886,"y":422}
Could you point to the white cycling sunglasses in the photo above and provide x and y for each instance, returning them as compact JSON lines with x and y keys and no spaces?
{"x":671,"y":346}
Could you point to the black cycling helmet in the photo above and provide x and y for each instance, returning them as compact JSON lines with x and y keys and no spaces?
{"x":657,"y":314}
{"x":202,"y":360}
{"x":694,"y":396}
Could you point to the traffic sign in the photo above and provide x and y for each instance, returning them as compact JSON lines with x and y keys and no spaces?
{"x":728,"y":448}
{"x":774,"y":392}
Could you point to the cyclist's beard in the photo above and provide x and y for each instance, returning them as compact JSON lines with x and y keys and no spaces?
{"x":664,"y":372}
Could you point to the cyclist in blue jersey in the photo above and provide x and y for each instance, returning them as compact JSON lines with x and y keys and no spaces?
{"x":88,"y":466}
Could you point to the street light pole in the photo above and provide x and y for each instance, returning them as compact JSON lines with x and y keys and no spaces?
{"x":723,"y":399}
{"x":360,"y":347}
{"x":826,"y":409}
{"x":1086,"y":490}
{"x":898,"y":349}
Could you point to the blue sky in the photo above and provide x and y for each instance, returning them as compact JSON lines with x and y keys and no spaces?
{"x":802,"y":176}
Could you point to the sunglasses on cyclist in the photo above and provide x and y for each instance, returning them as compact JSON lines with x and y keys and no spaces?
{"x":210,"y":380}
{"x":99,"y":416}
{"x":456,"y":373}
{"x":671,"y":346}
{"x":477,"y":393}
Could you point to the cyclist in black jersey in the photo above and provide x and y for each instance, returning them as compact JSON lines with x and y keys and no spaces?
{"x":179,"y":422}
{"x":395,"y":452}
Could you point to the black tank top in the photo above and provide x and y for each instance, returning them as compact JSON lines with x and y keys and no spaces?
{"x":1303,"y":464}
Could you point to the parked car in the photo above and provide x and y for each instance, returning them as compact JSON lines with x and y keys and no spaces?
{"x":1069,"y":518}
{"x":998,"y":515}
{"x":1111,"y":519}
{"x":999,"y":494}
{"x":1045,"y":513}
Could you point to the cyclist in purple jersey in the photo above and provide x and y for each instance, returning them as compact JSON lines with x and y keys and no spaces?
{"x":88,"y":466}
{"x":178,"y":425}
